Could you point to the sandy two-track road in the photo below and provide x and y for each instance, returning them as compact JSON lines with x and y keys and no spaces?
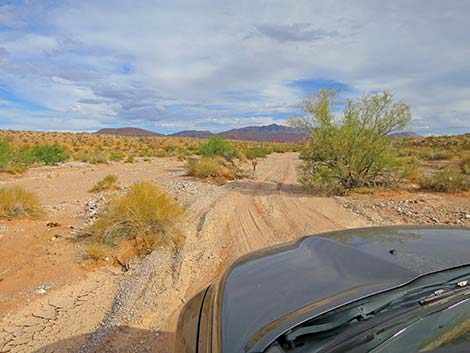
{"x":107,"y":310}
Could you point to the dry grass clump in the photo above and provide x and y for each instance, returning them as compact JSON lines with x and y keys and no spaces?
{"x":145,"y":214}
{"x":109,"y":182}
{"x":97,"y":251}
{"x":16,"y":202}
{"x":213,"y":167}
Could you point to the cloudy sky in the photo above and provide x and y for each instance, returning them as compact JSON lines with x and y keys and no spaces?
{"x":183,"y":64}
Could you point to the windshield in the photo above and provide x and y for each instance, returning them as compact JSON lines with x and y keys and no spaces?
{"x":429,"y":313}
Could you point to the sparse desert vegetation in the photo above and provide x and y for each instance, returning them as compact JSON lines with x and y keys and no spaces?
{"x":145,"y":214}
{"x":30,"y":147}
{"x":217,"y":161}
{"x":109,"y":182}
{"x":440,"y":163}
{"x":16,"y":202}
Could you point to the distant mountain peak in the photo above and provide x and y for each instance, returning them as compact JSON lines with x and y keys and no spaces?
{"x":128,"y":131}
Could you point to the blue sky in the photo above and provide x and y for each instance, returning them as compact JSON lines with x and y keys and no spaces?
{"x":216,"y":65}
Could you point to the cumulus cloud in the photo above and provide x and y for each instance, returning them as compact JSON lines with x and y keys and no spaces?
{"x":214,"y":64}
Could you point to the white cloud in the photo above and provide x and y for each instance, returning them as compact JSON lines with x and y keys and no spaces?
{"x":174,"y":63}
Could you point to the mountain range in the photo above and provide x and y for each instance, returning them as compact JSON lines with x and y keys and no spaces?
{"x":268,"y":133}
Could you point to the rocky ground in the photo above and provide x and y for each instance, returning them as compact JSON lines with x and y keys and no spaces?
{"x":54,"y":299}
{"x":411,"y":208}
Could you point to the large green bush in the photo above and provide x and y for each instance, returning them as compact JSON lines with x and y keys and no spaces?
{"x":50,"y":154}
{"x":217,"y":146}
{"x":352,"y":150}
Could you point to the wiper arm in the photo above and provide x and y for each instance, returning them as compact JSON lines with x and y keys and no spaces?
{"x":384,"y":329}
{"x":365,"y":311}
{"x":442,"y":294}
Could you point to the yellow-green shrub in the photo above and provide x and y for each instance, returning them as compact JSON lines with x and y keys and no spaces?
{"x":17,"y":202}
{"x":109,"y":182}
{"x":145,"y":213}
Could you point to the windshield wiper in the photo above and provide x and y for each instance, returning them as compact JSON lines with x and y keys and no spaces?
{"x":375,"y":333}
{"x":425,"y":290}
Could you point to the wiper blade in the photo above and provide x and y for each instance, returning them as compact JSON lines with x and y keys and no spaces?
{"x":376,"y":333}
{"x":375,"y":306}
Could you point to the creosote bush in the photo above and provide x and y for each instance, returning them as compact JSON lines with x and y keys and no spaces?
{"x":217,"y":146}
{"x":15,"y":202}
{"x":144,"y":214}
{"x":50,"y":154}
{"x":355,"y":150}
{"x":109,"y":182}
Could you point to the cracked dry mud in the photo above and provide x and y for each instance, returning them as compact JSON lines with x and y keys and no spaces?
{"x":72,"y":312}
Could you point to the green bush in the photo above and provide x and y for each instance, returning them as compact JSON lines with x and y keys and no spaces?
{"x":354,"y":151}
{"x":5,"y":154}
{"x":116,"y":155}
{"x":256,"y":152}
{"x":50,"y":154}
{"x":25,"y":156}
{"x":217,"y":146}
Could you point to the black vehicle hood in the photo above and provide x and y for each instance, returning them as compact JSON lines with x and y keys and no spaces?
{"x":265,"y":293}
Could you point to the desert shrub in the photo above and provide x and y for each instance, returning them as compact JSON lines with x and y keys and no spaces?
{"x":435,"y":155}
{"x":355,"y":150}
{"x":24,"y":156}
{"x":97,"y":251}
{"x":450,"y":179}
{"x":171,"y":150}
{"x":5,"y":154}
{"x":464,"y":165}
{"x":411,"y":170}
{"x":130,"y":159}
{"x":109,"y":182}
{"x":116,"y":155}
{"x":82,"y":156}
{"x":212,"y":167}
{"x":256,"y":152}
{"x":146,"y":214}
{"x":99,"y":157}
{"x":205,"y":167}
{"x":217,"y":146}
{"x":50,"y":154}
{"x":17,"y":202}
{"x":17,"y":169}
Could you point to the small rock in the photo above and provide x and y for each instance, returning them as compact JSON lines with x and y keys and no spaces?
{"x":52,"y":224}
{"x":41,"y":290}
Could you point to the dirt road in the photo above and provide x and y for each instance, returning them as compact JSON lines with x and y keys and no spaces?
{"x":111,"y":311}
